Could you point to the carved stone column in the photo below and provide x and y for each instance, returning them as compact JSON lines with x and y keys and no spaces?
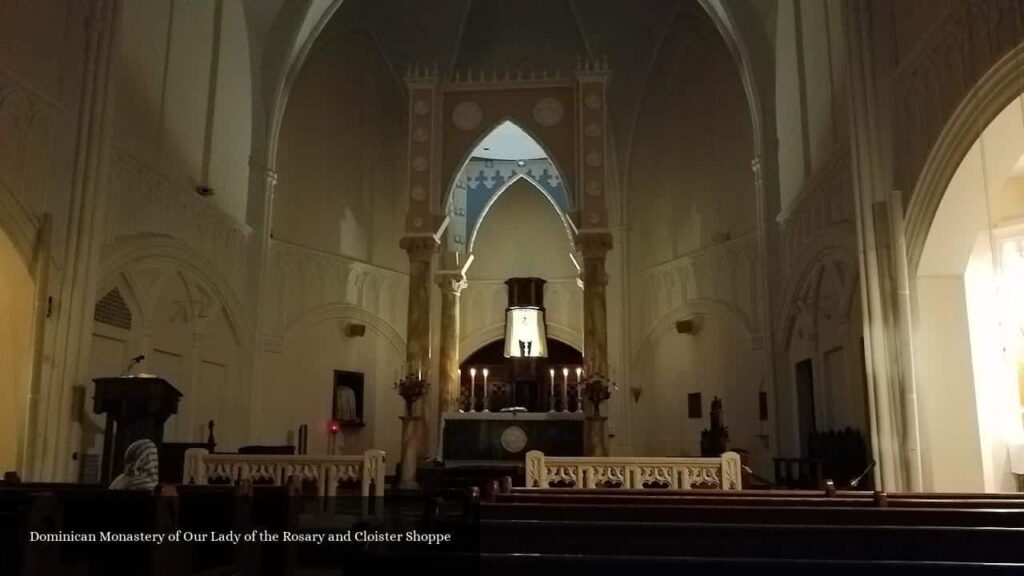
{"x":595,"y":247}
{"x":452,"y":284}
{"x":421,"y":250}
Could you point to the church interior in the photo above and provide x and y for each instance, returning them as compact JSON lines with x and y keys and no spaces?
{"x":569,"y":275}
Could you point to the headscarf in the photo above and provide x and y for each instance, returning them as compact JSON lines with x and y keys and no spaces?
{"x":141,"y":470}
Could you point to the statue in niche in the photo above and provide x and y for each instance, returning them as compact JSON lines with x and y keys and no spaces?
{"x":345,"y":405}
{"x":714,"y":440}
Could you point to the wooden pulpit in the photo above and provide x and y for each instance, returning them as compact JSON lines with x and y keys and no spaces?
{"x":136,"y":407}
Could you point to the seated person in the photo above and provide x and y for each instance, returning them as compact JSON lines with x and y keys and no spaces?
{"x":141,"y":470}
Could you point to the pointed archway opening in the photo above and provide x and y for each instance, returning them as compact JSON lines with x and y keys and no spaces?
{"x":505,"y":156}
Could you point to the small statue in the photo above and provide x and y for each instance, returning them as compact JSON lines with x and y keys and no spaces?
{"x":714,"y":440}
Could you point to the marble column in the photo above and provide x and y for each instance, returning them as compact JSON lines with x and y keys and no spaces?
{"x":595,"y":247}
{"x":421,"y":250}
{"x":452,"y":284}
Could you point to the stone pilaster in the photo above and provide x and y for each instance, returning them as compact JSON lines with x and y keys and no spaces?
{"x":595,"y":247}
{"x":451,"y":284}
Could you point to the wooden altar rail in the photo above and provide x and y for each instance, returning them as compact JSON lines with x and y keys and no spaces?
{"x":721,"y":473}
{"x":202,"y":467}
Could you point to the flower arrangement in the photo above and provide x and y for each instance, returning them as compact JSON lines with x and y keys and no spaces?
{"x":411,"y":388}
{"x":597,"y":388}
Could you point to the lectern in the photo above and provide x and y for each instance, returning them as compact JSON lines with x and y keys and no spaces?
{"x":136,"y":407}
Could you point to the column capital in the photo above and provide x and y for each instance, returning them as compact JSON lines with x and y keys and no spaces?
{"x":451,"y":282}
{"x":594,"y":244}
{"x":420,"y":248}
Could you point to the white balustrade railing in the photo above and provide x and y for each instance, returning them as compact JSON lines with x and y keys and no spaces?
{"x":721,"y":473}
{"x":202,"y":467}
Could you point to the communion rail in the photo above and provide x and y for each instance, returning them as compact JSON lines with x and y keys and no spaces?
{"x":721,"y":473}
{"x":202,"y":467}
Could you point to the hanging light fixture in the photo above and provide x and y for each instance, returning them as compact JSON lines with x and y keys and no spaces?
{"x":525,"y":325}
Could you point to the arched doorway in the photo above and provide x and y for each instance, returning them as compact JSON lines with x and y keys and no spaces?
{"x":969,"y":324}
{"x":16,"y":298}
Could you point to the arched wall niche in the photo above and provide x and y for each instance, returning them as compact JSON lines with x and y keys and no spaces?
{"x":823,"y":325}
{"x":187,"y":322}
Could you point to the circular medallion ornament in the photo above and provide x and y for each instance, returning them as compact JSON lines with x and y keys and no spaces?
{"x":420,"y":134}
{"x":548,"y":111}
{"x":595,"y":217}
{"x":593,"y":130}
{"x":417,"y":222}
{"x":467,"y":115}
{"x":421,"y":107}
{"x":419,"y":163}
{"x":513,"y":439}
{"x":593,"y":188}
{"x":418,"y":193}
{"x":594,"y":159}
{"x":593,"y":100}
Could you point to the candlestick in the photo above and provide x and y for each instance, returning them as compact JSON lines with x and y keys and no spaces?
{"x":552,"y":371}
{"x":579,"y":389}
{"x":565,"y":389}
{"x":472,"y":389}
{"x":486,"y":409}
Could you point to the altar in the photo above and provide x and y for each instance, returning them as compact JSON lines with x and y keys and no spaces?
{"x":480,"y":437}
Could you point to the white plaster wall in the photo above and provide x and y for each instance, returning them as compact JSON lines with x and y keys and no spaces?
{"x":302,"y":388}
{"x":183,"y":96}
{"x":718,"y":361}
{"x":16,"y":305}
{"x":338,"y":188}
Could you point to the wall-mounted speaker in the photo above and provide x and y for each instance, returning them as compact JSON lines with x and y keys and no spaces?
{"x":689,"y":326}
{"x":354,"y":330}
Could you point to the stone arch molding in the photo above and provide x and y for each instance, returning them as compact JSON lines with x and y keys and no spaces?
{"x":206,"y":285}
{"x":807,"y":283}
{"x":666,"y":324}
{"x":567,"y":223}
{"x":978,"y":108}
{"x":354,"y":313}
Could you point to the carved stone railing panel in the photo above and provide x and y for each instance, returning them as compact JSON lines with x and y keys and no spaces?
{"x":305,"y":280}
{"x":825,"y":202}
{"x":142,"y":201}
{"x":946,"y":64}
{"x":633,"y":473}
{"x":326,"y":472}
{"x":724,"y":274}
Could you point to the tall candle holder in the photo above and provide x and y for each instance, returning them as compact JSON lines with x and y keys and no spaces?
{"x":579,"y":389}
{"x":472,"y":389}
{"x":565,"y":389}
{"x":486,"y":399}
{"x":552,"y":372}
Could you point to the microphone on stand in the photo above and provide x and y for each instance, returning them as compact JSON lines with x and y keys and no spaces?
{"x":856,"y":481}
{"x":132,"y":363}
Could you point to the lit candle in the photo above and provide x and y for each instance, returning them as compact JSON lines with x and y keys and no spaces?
{"x":472,"y":389}
{"x":552,"y":390}
{"x":485,"y":391}
{"x":565,"y":389}
{"x":579,"y":389}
